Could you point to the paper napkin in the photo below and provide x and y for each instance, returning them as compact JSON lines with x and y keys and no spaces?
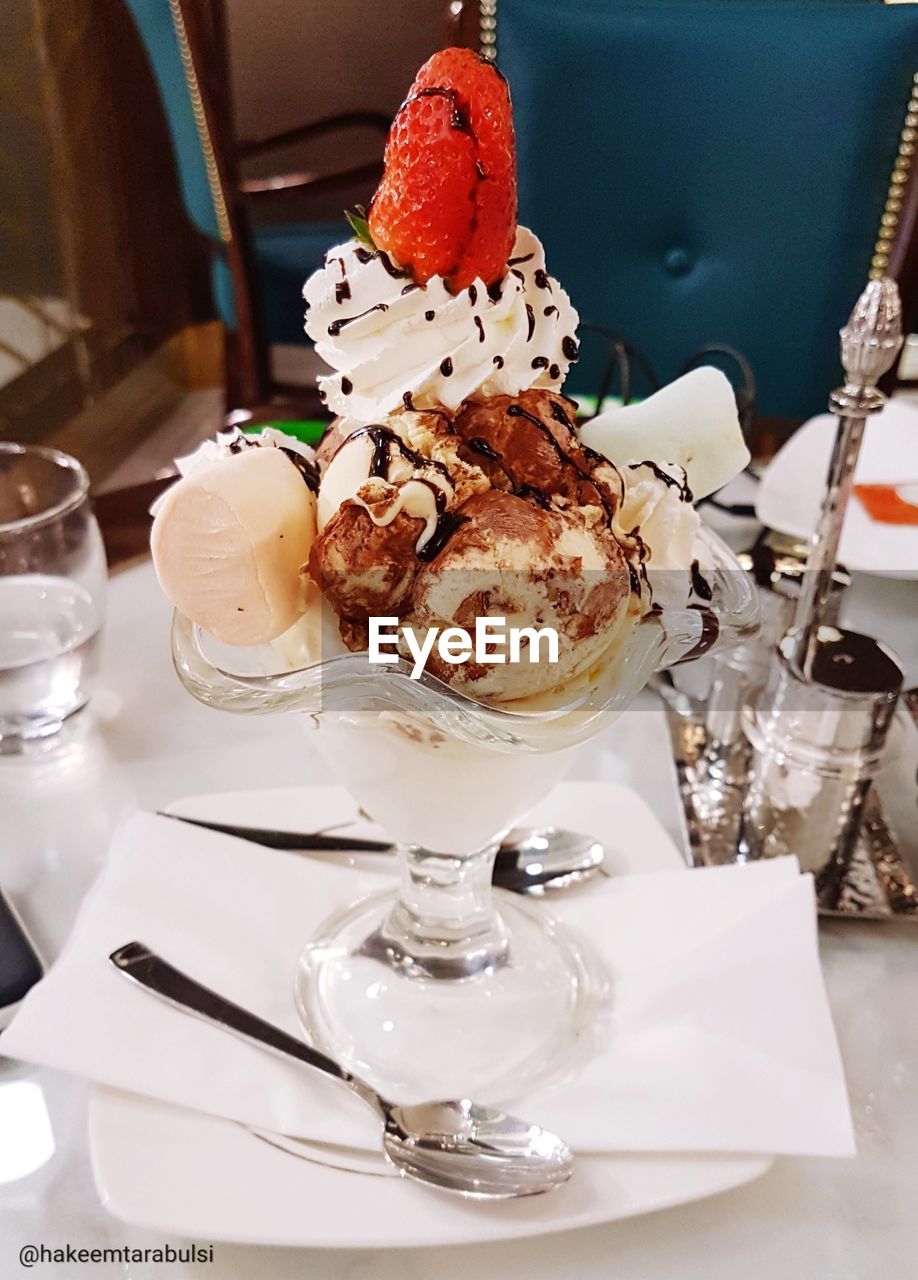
{"x":718,"y":1035}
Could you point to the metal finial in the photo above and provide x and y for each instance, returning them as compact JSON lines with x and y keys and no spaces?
{"x":870,"y":342}
{"x":871,"y":339}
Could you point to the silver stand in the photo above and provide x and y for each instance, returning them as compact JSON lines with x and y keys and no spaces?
{"x":799,"y":778}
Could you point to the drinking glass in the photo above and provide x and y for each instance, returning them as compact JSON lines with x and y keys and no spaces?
{"x":444,"y":986}
{"x":52,"y":595}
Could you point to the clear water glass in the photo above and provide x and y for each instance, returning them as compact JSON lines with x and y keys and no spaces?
{"x":52,"y":596}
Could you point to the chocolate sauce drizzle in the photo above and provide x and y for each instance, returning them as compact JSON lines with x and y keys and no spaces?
{"x":495,"y":290}
{"x":337,"y":325}
{"x":710,"y":630}
{"x":541,"y":279}
{"x":346,"y":386}
{"x":538,"y":496}
{"x":410,"y":288}
{"x":569,"y":347}
{"x":530,"y":316}
{"x":384,"y":440}
{"x":559,"y":415}
{"x":408,"y":402}
{"x":447,"y":524}
{"x":481,"y":332}
{"x":681,"y":486}
{"x":446,"y":367}
{"x":457,"y":120}
{"x":554,"y":372}
{"x":342,"y":288}
{"x":429,"y":315}
{"x":514,"y":262}
{"x":540,"y":362}
{"x":391,"y":269}
{"x":473,"y":295}
{"x":368,"y":255}
{"x":637,"y":572}
{"x":477,"y":445}
{"x":517,"y":411}
{"x":700,"y":584}
{"x":499,"y":362}
{"x":550,"y":311}
{"x":308,"y":470}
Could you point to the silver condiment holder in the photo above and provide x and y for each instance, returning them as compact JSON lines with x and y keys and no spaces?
{"x":791,"y":769}
{"x":817,"y":745}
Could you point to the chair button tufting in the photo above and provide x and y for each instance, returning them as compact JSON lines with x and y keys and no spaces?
{"x":677,"y":262}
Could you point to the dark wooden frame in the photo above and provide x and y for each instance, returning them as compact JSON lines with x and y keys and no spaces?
{"x":249,"y":385}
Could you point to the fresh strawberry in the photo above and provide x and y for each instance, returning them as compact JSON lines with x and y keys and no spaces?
{"x":447,"y":201}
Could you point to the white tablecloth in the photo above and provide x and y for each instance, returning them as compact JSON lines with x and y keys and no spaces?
{"x":805,"y":1220}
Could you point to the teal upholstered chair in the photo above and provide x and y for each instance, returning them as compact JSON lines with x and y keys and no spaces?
{"x":715,"y":171}
{"x":258,"y":271}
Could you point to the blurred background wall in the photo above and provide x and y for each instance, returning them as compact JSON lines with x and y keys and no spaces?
{"x":29,"y":260}
{"x":296,"y":60}
{"x":100,"y":266}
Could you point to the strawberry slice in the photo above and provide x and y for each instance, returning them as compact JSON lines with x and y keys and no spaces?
{"x":447,"y":201}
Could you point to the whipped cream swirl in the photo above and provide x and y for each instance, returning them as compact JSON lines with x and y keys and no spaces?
{"x":395,"y":344}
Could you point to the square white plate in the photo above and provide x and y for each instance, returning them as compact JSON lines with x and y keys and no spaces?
{"x":184,"y":1173}
{"x":793,"y":484}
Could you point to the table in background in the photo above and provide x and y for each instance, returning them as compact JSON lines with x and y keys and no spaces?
{"x":805,"y":1220}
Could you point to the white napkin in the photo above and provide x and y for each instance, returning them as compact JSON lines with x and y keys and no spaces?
{"x":719,"y":1038}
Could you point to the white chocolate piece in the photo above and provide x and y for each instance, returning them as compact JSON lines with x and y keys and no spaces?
{"x":692,"y":422}
{"x":228,"y":542}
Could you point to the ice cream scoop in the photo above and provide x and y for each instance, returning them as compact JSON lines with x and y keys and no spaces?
{"x":528,"y":445}
{"x":692,"y":422}
{"x":498,"y":511}
{"x":535,"y":567}
{"x":228,"y":541}
{"x":385,"y":504}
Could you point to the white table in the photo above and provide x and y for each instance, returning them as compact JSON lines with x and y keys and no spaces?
{"x":805,"y":1220}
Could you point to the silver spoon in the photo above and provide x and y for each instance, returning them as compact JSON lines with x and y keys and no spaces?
{"x":530,"y":860}
{"x":543,"y":859}
{"x":454,"y":1144}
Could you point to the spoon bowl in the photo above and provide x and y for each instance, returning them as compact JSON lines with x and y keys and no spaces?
{"x":480,"y":1152}
{"x":539,"y":859}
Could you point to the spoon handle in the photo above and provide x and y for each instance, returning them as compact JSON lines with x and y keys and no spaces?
{"x":145,"y":967}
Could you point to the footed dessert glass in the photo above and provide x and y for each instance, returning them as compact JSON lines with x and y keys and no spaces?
{"x":444,"y":986}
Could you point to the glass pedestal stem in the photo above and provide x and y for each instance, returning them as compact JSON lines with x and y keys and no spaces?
{"x":444,"y":924}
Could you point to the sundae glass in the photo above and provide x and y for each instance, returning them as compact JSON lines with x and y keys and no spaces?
{"x":454,"y":489}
